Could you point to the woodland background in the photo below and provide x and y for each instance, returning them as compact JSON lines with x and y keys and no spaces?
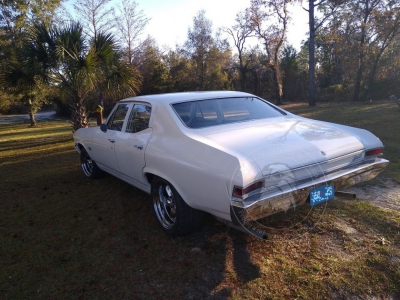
{"x":97,"y":54}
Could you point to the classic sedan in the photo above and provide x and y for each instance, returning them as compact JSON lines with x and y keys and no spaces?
{"x":230,"y":154}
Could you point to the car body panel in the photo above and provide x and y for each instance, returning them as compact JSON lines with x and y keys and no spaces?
{"x":205,"y":164}
{"x":298,"y":135}
{"x":130,"y":153}
{"x":103,"y":148}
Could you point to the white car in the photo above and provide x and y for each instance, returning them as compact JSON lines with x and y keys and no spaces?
{"x":230,"y":154}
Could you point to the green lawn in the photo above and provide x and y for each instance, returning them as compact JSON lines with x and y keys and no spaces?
{"x":63,"y":236}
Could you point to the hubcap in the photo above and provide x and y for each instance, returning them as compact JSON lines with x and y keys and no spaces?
{"x":87,"y":165}
{"x":165,"y":206}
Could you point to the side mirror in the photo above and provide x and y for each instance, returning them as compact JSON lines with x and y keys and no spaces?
{"x":103,"y":127}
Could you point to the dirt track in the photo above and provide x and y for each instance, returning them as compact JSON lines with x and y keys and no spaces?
{"x":22,"y":118}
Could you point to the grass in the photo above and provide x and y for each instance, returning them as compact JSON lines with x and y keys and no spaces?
{"x":63,"y":236}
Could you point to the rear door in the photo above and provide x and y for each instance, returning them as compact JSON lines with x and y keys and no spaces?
{"x":131,"y":145}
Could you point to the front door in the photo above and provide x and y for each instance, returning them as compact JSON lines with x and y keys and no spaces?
{"x":103,"y":146}
{"x":132,"y":143}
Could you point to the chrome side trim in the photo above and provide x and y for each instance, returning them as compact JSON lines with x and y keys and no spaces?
{"x":358,"y":155}
{"x":254,"y":209}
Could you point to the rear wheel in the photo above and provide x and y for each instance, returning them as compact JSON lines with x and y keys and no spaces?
{"x":173,"y":214}
{"x":89,"y":167}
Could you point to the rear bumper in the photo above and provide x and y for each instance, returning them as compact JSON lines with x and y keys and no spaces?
{"x":295,"y":195}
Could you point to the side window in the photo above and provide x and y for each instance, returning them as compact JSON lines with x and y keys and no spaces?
{"x":139,"y":118}
{"x":117,"y":120}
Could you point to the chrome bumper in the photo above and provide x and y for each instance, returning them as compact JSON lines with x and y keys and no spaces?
{"x":254,"y":209}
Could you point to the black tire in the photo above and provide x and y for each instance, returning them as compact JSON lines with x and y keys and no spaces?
{"x":89,"y":167}
{"x":172,"y":213}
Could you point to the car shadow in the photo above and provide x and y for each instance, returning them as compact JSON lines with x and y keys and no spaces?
{"x":244,"y":268}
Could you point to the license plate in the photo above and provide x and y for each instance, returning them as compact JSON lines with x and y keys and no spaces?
{"x":321,"y":194}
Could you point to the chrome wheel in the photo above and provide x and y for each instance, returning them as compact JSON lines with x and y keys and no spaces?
{"x":165,"y":205}
{"x":87,"y":164}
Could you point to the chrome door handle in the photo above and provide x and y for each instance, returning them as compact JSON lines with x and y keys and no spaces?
{"x":112,"y":140}
{"x":140,"y":147}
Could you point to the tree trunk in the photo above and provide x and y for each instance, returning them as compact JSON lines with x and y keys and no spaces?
{"x":357,"y":85}
{"x":243,"y":71}
{"x":311,"y":54}
{"x":361,"y":54}
{"x":278,"y":84}
{"x":79,"y":114}
{"x":242,"y":79}
{"x":371,"y":76}
{"x":255,"y":81}
{"x":31,"y":113}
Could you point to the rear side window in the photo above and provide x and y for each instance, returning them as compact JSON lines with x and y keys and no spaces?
{"x":204,"y":113}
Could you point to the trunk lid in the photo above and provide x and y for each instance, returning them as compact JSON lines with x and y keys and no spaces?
{"x":293,"y":142}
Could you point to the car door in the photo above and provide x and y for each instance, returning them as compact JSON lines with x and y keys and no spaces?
{"x":103,"y":146}
{"x":132,"y":142}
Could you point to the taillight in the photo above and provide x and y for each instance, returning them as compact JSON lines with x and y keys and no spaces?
{"x":373,"y":152}
{"x":241,"y":192}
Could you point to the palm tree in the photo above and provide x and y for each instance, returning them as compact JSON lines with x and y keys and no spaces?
{"x":78,"y":67}
{"x":87,"y":67}
{"x":30,"y":73}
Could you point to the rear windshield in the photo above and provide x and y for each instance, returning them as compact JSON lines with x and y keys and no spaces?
{"x":204,"y":113}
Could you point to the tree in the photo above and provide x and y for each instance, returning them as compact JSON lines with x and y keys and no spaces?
{"x":16,"y":19}
{"x":152,"y":68}
{"x":17,"y":15}
{"x":179,"y":67}
{"x":290,"y":72}
{"x":360,"y":32}
{"x":64,"y":58}
{"x":269,"y":20}
{"x":312,"y":4}
{"x":198,"y":45}
{"x":87,"y":66}
{"x":207,"y":56}
{"x":96,"y":15}
{"x":240,"y":32}
{"x":130,"y":23}
{"x":387,"y":28}
{"x":363,"y":10}
{"x":30,"y":74}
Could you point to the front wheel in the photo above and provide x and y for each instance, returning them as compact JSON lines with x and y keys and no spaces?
{"x":89,"y":167}
{"x":172,"y":213}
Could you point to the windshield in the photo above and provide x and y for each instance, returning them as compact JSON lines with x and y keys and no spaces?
{"x":204,"y":113}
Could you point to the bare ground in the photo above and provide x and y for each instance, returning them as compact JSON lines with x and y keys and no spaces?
{"x":386,"y":194}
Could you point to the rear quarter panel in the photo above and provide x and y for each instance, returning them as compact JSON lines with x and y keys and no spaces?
{"x":201,"y":172}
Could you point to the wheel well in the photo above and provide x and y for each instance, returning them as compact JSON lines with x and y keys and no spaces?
{"x":81,"y":147}
{"x":150,"y":177}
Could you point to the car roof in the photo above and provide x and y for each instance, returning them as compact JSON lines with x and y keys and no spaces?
{"x":186,"y":96}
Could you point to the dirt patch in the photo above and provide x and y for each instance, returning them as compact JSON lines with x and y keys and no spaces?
{"x":345,"y":227}
{"x":386,"y":194}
